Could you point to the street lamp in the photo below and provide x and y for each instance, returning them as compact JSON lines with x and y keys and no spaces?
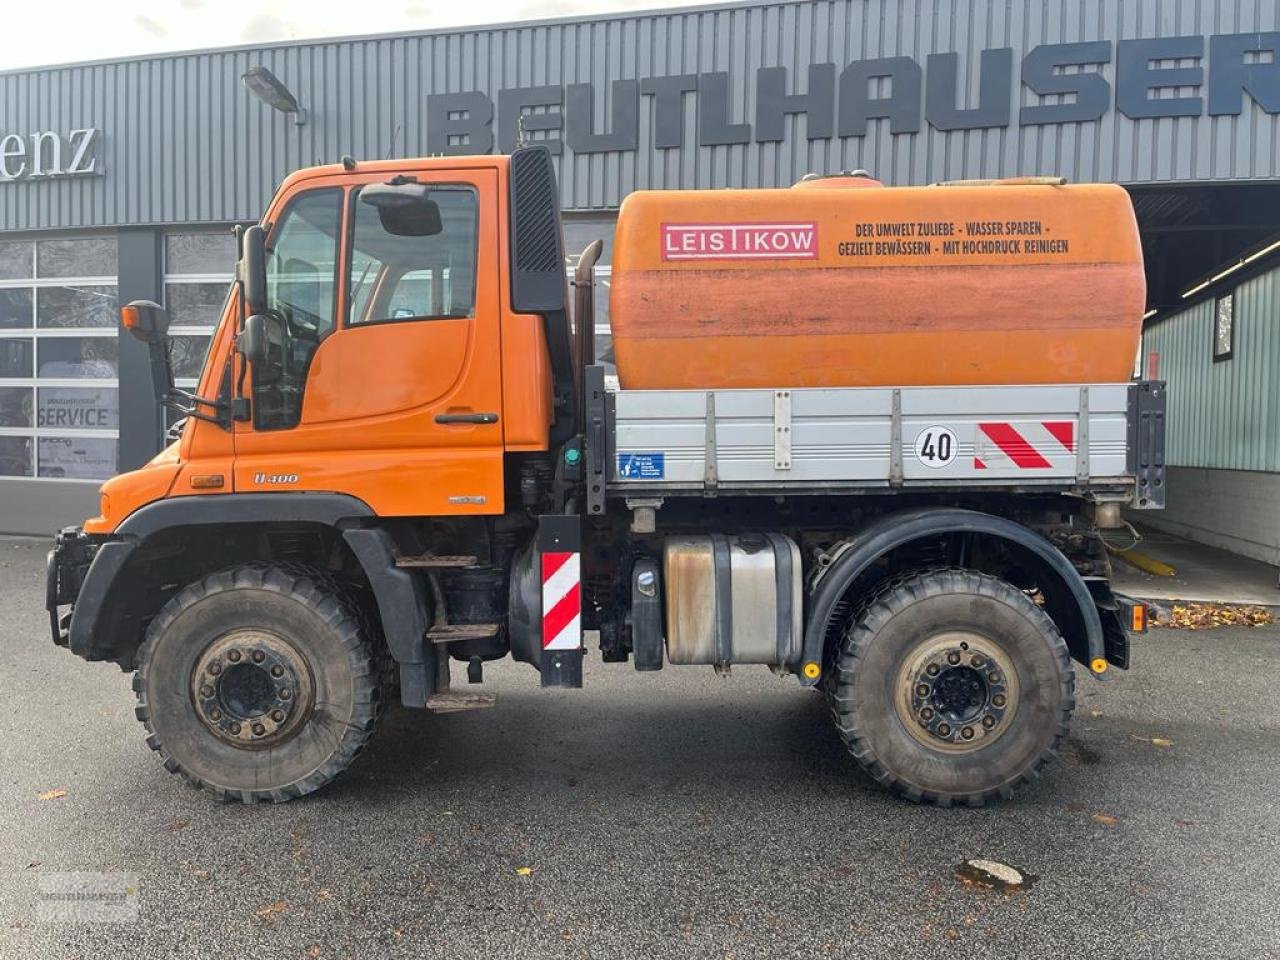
{"x":268,"y":88}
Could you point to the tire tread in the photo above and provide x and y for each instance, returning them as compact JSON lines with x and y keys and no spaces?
{"x":889,"y":599}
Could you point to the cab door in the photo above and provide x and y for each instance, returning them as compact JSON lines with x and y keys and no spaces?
{"x":387,"y":331}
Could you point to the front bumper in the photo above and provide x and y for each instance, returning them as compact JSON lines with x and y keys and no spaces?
{"x":82,"y":572}
{"x":65,"y":571}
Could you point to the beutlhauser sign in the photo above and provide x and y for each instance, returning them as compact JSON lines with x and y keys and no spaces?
{"x":1186,"y":76}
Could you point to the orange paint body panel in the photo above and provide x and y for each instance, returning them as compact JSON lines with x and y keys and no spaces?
{"x":907,"y":286}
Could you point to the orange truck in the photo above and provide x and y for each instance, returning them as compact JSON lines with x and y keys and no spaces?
{"x":869,"y":437}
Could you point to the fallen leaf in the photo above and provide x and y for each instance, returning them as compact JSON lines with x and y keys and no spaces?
{"x":1161,"y":742}
{"x":1095,"y":714}
{"x":523,"y":871}
{"x":272,"y":910}
{"x":313,"y":950}
{"x":1201,"y":616}
{"x":53,"y":794}
{"x":1106,"y":819}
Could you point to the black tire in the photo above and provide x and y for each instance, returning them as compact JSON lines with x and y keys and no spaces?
{"x":872,"y":684}
{"x":308,"y":617}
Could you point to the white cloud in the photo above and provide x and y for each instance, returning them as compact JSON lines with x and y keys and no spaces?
{"x":72,"y":30}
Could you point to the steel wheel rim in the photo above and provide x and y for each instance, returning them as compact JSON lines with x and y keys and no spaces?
{"x":252,"y":689}
{"x":956,"y":692}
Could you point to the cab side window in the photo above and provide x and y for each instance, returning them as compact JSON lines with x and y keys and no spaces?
{"x":302,"y":257}
{"x":414,"y":274}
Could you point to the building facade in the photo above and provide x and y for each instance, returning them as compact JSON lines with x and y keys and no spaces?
{"x":121,"y":179}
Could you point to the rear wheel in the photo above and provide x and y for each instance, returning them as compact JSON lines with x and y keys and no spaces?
{"x":258,"y":683}
{"x":951,"y":686}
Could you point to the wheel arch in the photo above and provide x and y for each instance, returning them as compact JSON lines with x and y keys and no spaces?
{"x":113,"y":606}
{"x":1068,"y":600}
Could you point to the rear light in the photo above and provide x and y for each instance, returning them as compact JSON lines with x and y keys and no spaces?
{"x":130,"y":318}
{"x":1138,"y":618}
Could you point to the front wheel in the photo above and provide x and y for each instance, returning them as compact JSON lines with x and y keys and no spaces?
{"x":258,"y":683}
{"x":951,"y":686}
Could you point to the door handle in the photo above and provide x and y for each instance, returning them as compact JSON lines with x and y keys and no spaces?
{"x":466,"y":418}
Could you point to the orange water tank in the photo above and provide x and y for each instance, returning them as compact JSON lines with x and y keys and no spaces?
{"x":990,"y":283}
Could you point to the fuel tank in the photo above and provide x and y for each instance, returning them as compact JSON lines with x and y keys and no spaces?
{"x":843,"y":282}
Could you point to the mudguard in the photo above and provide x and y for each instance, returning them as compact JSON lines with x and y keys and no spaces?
{"x":898,"y":529}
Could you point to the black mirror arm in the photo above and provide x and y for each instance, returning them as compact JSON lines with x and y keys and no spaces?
{"x":185,"y":403}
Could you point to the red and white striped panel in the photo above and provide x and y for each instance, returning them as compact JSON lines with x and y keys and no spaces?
{"x":561,"y":601}
{"x":1025,"y":445}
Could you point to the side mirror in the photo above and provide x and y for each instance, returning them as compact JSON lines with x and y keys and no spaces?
{"x":146,"y":320}
{"x":405,"y":208}
{"x":251,"y":271}
{"x":252,"y":340}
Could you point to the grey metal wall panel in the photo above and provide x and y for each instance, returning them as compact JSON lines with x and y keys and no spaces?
{"x":1223,"y":415}
{"x":182,"y":141}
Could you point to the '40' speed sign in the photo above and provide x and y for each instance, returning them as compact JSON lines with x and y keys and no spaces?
{"x":936,"y":446}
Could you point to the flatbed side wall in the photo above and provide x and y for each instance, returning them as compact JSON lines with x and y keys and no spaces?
{"x":1065,"y":436}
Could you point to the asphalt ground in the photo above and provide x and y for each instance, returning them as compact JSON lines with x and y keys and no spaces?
{"x":678,"y":814}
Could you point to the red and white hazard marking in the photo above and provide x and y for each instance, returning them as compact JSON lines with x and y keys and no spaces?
{"x":1024,"y":445}
{"x":561,"y":601}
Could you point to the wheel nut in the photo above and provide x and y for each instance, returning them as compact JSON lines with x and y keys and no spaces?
{"x":976,"y":660}
{"x":258,"y":656}
{"x":206,"y":691}
{"x":953,"y":657}
{"x":988,"y":722}
{"x":927,"y":713}
{"x":215,"y":714}
{"x":285,"y":693}
{"x":998,"y":700}
{"x":922,"y":690}
{"x":931,"y":670}
{"x":277,"y":671}
{"x":235,"y":727}
{"x":993,"y":677}
{"x":259,"y":729}
{"x":234,"y":656}
{"x":967,"y":733}
{"x":944,"y":729}
{"x":215,"y":669}
{"x":277,"y":716}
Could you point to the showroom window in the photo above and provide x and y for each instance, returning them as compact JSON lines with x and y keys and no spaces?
{"x":59,"y":396}
{"x":198,"y":269}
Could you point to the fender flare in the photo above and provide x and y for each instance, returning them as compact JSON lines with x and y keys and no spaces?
{"x":402,"y":603}
{"x":330,"y":509}
{"x":897,"y":529}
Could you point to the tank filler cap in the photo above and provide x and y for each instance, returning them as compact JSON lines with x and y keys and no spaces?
{"x":844,"y":180}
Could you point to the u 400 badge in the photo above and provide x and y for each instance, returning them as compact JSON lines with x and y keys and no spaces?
{"x":275,"y":478}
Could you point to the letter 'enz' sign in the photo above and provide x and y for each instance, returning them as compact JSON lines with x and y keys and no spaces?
{"x":48,"y":154}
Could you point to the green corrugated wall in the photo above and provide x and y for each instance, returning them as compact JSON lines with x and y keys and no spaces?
{"x":1223,"y":415}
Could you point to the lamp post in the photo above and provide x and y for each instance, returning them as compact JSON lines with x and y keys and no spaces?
{"x":269,"y":88}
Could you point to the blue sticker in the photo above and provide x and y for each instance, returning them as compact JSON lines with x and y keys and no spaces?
{"x":641,"y":466}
